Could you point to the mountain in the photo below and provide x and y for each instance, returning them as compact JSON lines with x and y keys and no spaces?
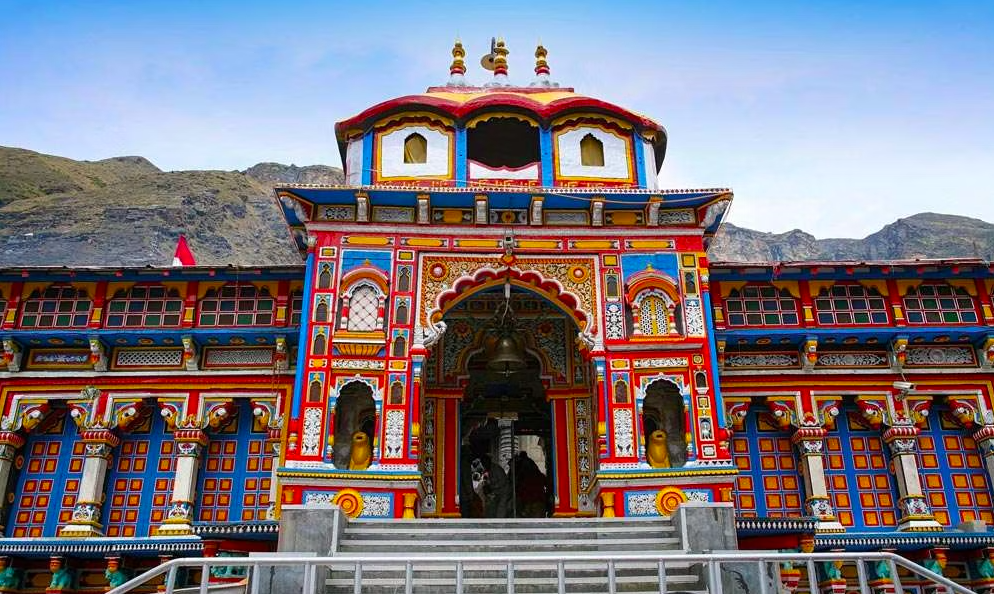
{"x":924,"y":235}
{"x":125,"y":211}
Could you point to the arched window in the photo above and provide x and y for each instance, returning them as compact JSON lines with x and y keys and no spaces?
{"x":415,"y":149}
{"x":401,"y":317}
{"x":939,"y":303}
{"x":396,"y":393}
{"x":850,"y":304}
{"x":620,"y":392}
{"x":321,"y":311}
{"x":314,"y":393}
{"x":654,"y":316}
{"x":320,"y":345}
{"x":56,"y":307}
{"x":664,"y":424}
{"x":399,"y":346}
{"x":324,"y":279}
{"x":355,"y":414}
{"x":237,"y":305}
{"x":591,"y":151}
{"x":145,"y":307}
{"x":296,"y":307}
{"x":364,"y":306}
{"x":612,"y":285}
{"x":761,"y":306}
{"x":404,"y":279}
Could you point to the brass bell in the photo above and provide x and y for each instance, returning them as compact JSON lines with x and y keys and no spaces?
{"x":507,"y":355}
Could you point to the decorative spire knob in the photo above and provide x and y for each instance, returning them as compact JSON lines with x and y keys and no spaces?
{"x":542,"y":68}
{"x":541,"y":65}
{"x":500,"y":58}
{"x":458,"y":67}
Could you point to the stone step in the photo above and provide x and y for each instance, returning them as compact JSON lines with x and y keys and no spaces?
{"x":416,"y":537}
{"x":522,"y":583}
{"x":489,"y":523}
{"x":458,"y":532}
{"x":356,"y":546}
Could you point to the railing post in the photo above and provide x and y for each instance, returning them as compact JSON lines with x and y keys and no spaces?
{"x":662,"y":577}
{"x":312,"y":577}
{"x":357,"y":579}
{"x":171,"y":579}
{"x":458,"y":577}
{"x":764,"y":588}
{"x":255,"y":577}
{"x":205,"y":573}
{"x":408,"y":578}
{"x":864,"y":586}
{"x":510,"y":577}
{"x":898,"y":589}
{"x":611,"y":578}
{"x":561,"y":577}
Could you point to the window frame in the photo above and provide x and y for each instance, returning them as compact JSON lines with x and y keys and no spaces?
{"x":832,"y":296}
{"x":127,"y":299}
{"x":737,"y":296}
{"x":217,"y":295}
{"x":956,"y":294}
{"x":76,"y":297}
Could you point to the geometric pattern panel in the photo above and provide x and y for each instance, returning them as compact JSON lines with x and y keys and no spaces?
{"x":236,"y":474}
{"x":157,"y":358}
{"x":856,"y":470}
{"x":953,"y":474}
{"x":139,"y":480}
{"x":48,"y":483}
{"x":768,"y":484}
{"x":215,"y":357}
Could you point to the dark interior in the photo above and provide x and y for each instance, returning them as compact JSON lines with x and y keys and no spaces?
{"x":503,"y":142}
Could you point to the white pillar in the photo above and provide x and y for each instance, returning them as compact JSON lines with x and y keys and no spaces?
{"x":10,"y":442}
{"x":179,"y":517}
{"x":97,"y":455}
{"x":916,"y":515}
{"x":810,"y":442}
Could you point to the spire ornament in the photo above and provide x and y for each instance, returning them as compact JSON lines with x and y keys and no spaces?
{"x":458,"y":68}
{"x":499,"y":53}
{"x":542,"y":68}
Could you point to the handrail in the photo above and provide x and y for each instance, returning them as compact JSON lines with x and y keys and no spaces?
{"x":712,"y":562}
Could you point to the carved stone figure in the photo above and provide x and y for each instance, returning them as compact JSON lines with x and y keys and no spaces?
{"x":361,"y":453}
{"x":657,"y":450}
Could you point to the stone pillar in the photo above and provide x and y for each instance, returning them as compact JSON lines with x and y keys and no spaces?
{"x":179,"y":517}
{"x":985,"y":443}
{"x":86,"y":514}
{"x":10,"y":442}
{"x":810,"y":442}
{"x":916,"y":515}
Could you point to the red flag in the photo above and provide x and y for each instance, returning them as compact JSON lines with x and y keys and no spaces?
{"x":183,"y":255}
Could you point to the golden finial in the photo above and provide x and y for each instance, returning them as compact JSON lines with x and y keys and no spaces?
{"x":541,"y":65}
{"x":458,"y":67}
{"x":500,"y":57}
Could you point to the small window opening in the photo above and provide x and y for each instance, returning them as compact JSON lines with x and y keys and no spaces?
{"x":399,"y":346}
{"x":503,"y":142}
{"x":396,"y":393}
{"x":320,"y":345}
{"x":314,"y":393}
{"x":591,"y":151}
{"x":401,"y":314}
{"x":321,"y":312}
{"x":415,"y":149}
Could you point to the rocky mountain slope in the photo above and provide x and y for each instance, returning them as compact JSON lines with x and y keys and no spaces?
{"x":924,"y":235}
{"x":124,"y":211}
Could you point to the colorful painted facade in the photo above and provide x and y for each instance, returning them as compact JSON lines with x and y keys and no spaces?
{"x":500,"y":274}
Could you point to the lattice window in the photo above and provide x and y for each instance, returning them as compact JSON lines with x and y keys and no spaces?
{"x":768,"y":484}
{"x":235,"y":478}
{"x":237,"y":305}
{"x":761,"y":306}
{"x":850,"y":304}
{"x":296,"y":307}
{"x":939,"y":303}
{"x":953,"y":474}
{"x":56,"y":307}
{"x":364,"y":309}
{"x":145,"y":307}
{"x":654,"y":316}
{"x":48,"y":483}
{"x":139,"y":481}
{"x":859,"y":483}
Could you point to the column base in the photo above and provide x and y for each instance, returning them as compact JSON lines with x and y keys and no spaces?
{"x":80,"y":531}
{"x":175,"y":529}
{"x":829,"y":526}
{"x":922,"y":525}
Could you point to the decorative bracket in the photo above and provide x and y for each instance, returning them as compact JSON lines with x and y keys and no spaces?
{"x":191,"y":356}
{"x":98,"y":355}
{"x":810,"y":355}
{"x":11,"y":355}
{"x":899,"y":352}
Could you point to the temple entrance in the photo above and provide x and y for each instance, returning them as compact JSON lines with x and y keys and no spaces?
{"x":507,"y":413}
{"x":505,"y":450}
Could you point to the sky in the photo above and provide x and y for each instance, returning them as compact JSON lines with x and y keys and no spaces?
{"x":833,"y":117}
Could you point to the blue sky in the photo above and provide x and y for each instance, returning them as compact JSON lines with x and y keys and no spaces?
{"x":833,"y":117}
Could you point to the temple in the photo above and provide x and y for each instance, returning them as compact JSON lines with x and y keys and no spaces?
{"x":499,"y":314}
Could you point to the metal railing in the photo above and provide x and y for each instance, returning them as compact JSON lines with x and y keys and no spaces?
{"x":709,"y":564}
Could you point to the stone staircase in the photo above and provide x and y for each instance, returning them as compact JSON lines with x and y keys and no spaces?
{"x":421,"y":539}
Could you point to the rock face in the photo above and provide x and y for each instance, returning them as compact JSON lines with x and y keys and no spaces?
{"x":925,"y":235}
{"x":124,"y":211}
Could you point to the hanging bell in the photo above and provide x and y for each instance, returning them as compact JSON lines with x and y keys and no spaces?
{"x":507,"y":355}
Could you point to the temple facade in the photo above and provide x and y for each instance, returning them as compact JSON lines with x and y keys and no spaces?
{"x":499,"y":314}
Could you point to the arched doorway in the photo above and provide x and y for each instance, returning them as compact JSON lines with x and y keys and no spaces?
{"x":504,"y":436}
{"x":355,"y":422}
